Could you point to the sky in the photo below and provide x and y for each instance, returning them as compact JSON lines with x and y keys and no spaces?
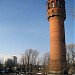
{"x":24,"y":25}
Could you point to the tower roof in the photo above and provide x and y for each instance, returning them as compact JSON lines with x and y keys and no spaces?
{"x":56,"y":8}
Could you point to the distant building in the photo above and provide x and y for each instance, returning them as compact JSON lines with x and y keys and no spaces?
{"x":15,"y":60}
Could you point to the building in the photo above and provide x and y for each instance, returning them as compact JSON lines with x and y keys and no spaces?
{"x":56,"y":17}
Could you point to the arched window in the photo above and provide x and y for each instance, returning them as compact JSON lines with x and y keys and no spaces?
{"x":57,"y":3}
{"x":52,"y":11}
{"x":63,"y":4}
{"x":52,"y":3}
{"x":48,"y":5}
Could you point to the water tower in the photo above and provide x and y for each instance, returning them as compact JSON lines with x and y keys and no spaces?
{"x":56,"y":16}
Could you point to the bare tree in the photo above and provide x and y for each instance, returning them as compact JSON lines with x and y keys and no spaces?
{"x":29,"y":58}
{"x":71,"y":54}
{"x":9,"y":63}
{"x":46,"y":59}
{"x":1,"y":63}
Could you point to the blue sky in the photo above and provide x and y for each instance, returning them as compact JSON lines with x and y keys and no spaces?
{"x":24,"y":25}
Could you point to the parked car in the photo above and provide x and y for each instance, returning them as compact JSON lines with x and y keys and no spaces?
{"x":2,"y":71}
{"x":39,"y":73}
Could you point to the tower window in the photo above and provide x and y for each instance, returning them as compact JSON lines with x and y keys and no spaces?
{"x":57,"y":3}
{"x":48,"y":5}
{"x":63,"y":5}
{"x":52,"y":4}
{"x":52,"y":11}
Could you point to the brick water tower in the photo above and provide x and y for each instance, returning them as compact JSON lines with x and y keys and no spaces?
{"x":56,"y":17}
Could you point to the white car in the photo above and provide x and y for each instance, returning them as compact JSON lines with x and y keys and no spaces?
{"x":39,"y":73}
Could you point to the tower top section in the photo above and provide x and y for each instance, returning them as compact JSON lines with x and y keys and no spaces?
{"x":56,"y":8}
